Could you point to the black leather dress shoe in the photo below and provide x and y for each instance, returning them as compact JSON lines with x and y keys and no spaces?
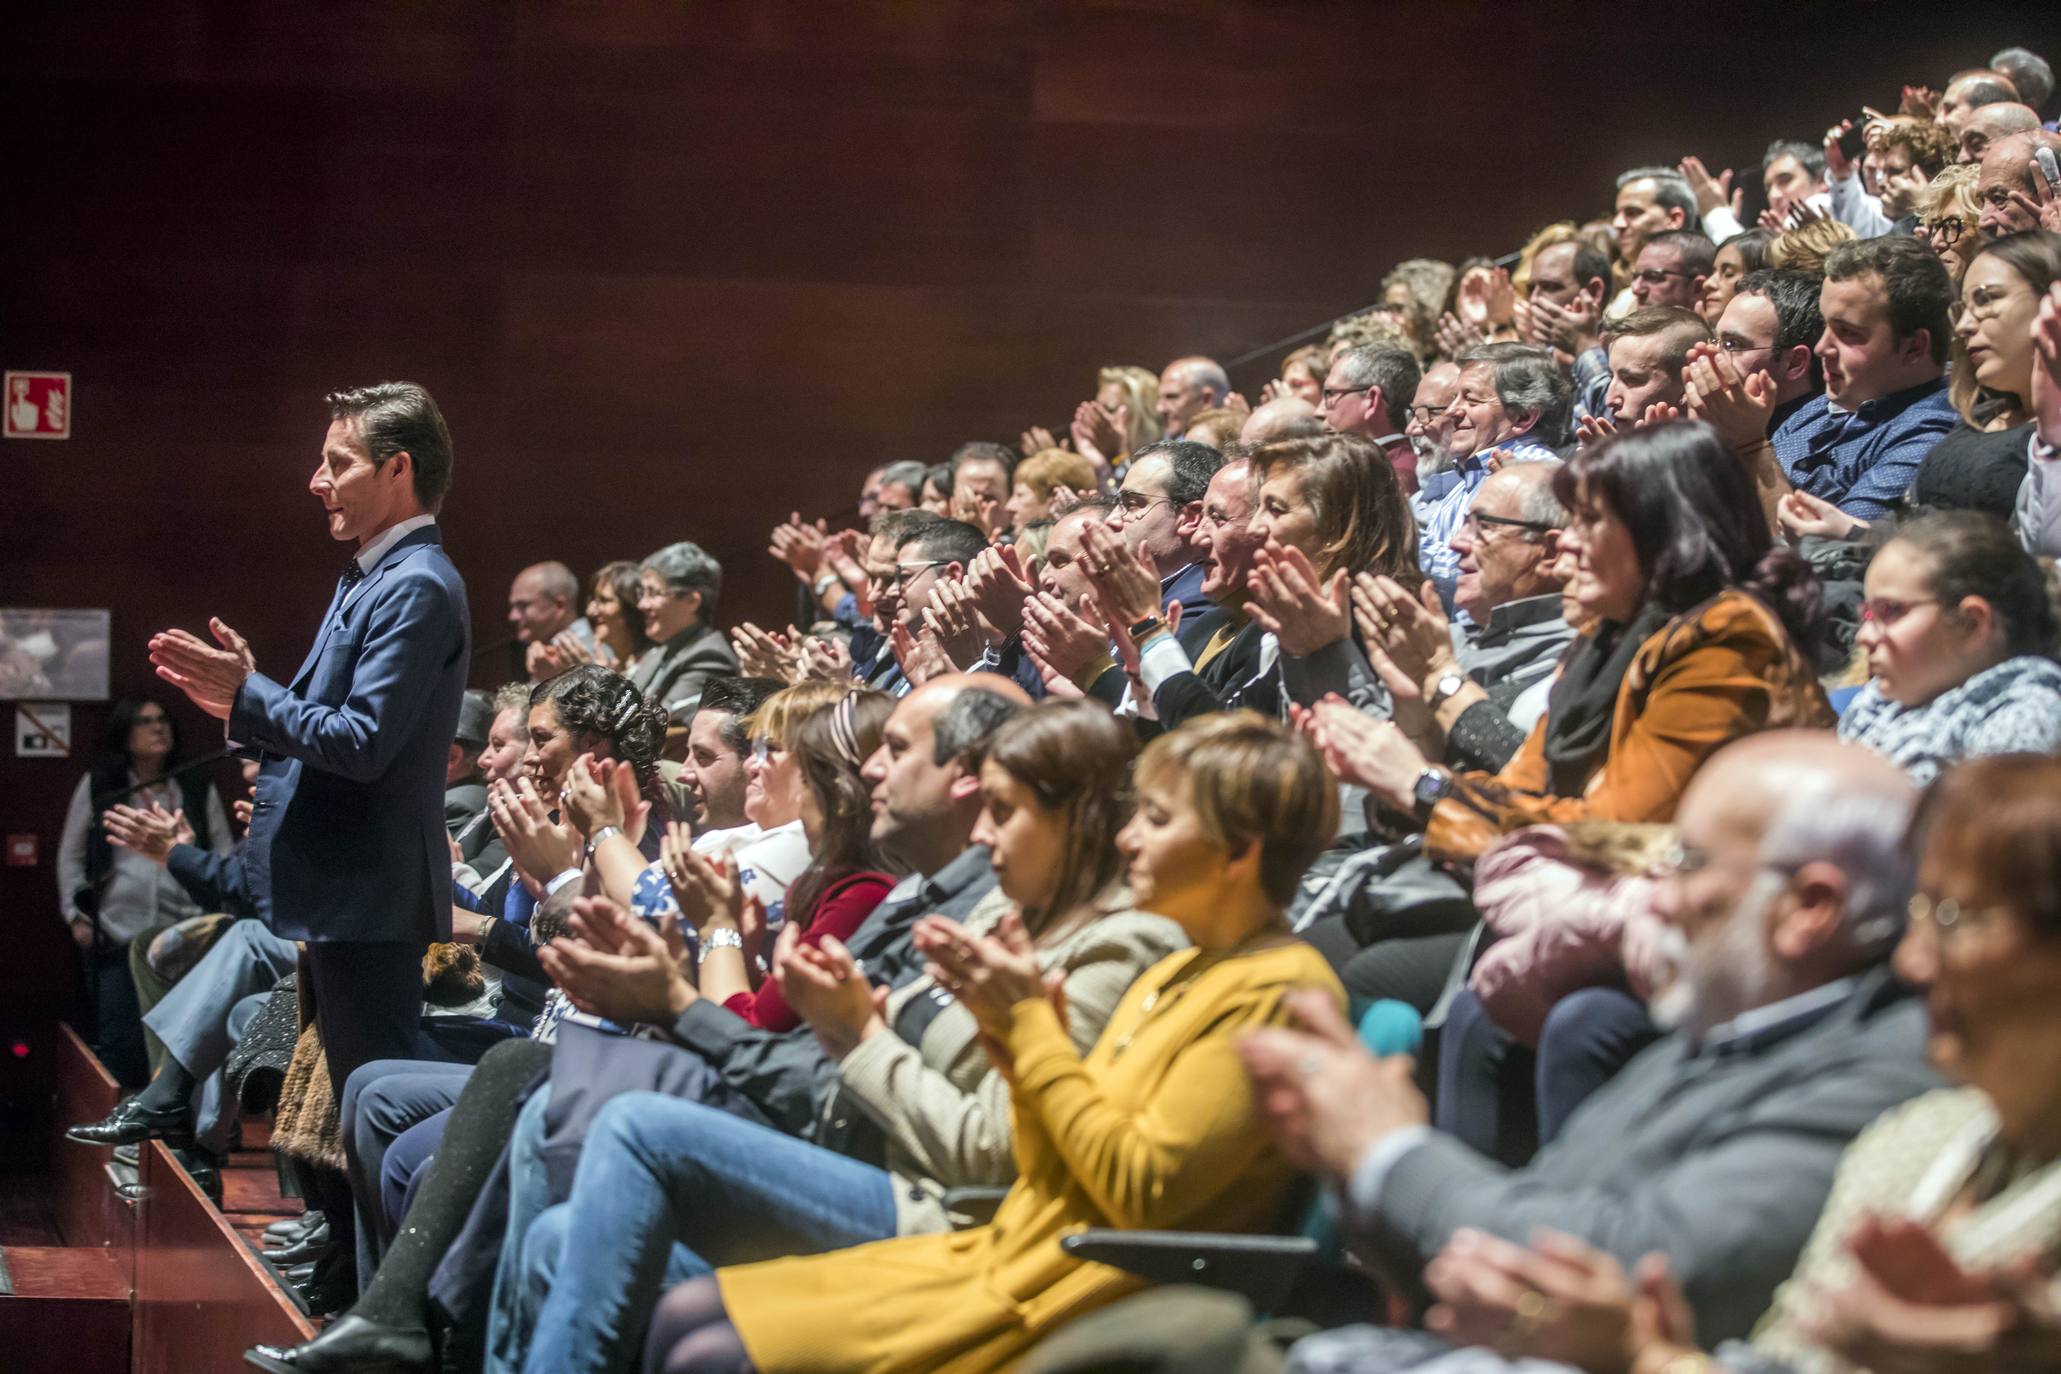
{"x":352,"y":1345}
{"x":293,"y":1228}
{"x":310,"y":1246}
{"x":132,"y":1122}
{"x":324,"y":1290}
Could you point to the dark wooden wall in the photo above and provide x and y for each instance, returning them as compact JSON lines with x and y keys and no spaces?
{"x":675,"y":268}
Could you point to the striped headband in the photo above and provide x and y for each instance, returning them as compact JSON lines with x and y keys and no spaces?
{"x":844,"y":732}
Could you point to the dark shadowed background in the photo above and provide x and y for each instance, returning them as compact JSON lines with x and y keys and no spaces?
{"x":674,"y":269}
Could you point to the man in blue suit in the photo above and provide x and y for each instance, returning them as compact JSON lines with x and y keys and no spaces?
{"x":347,"y":849}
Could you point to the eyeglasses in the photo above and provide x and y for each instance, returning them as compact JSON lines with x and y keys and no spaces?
{"x":1946,"y":915}
{"x":1136,"y":503}
{"x":1473,"y":525}
{"x":1885,"y":612}
{"x":650,"y":593}
{"x":764,"y":751}
{"x":1987,"y":305}
{"x":905,"y":573}
{"x":1424,"y":415}
{"x":1739,"y":348}
{"x":1654,"y":276}
{"x":1944,"y":231}
{"x":1333,"y":395}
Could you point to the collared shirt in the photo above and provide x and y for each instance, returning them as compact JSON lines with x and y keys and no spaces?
{"x":1441,"y":507}
{"x":1863,"y":461}
{"x":369,"y":557}
{"x":1592,"y":383}
{"x":1521,"y":644}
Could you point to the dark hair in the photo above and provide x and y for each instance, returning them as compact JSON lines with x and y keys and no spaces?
{"x":1393,"y":369}
{"x":906,"y":473}
{"x":400,"y":417}
{"x":1698,"y":255}
{"x":1811,"y":156}
{"x":738,"y":697}
{"x":1929,"y":143}
{"x":1075,"y":758}
{"x":1972,"y":553}
{"x":1696,"y":522}
{"x":967,"y":726}
{"x":626,"y":580}
{"x":595,"y":704}
{"x":1996,"y":821}
{"x":1794,"y":294}
{"x":1670,"y":188}
{"x":1190,"y":465}
{"x":2034,"y":255}
{"x":1528,"y":378}
{"x":937,"y":475}
{"x":1986,"y":89}
{"x":982,"y":451}
{"x":947,"y":541}
{"x":1589,"y":264}
{"x":831,"y":744}
{"x":1363,"y":519}
{"x":2029,"y":72}
{"x":1752,"y":247}
{"x":1684,"y":329}
{"x":1920,"y":293}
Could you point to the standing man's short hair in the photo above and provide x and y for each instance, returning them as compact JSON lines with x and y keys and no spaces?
{"x":400,"y":417}
{"x":1670,"y":189}
{"x":2029,"y":72}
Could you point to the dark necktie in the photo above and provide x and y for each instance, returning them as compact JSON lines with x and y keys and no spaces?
{"x":352,"y":575}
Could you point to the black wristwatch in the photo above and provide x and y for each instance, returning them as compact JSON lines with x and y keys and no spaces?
{"x":1145,"y":627}
{"x":1434,"y":785}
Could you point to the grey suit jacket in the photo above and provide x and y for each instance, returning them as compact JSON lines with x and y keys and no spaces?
{"x":672,"y":673}
{"x":1721,"y":1160}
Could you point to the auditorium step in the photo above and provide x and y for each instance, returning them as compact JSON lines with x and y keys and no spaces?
{"x":162,"y":1284}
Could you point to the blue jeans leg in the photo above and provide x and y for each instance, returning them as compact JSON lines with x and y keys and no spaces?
{"x":1588,"y":1036}
{"x":529,"y":1193}
{"x":658,"y":1171}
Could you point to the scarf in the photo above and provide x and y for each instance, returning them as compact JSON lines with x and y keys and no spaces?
{"x":1583,"y":702}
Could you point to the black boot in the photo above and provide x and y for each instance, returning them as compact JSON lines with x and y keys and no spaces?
{"x":352,"y":1345}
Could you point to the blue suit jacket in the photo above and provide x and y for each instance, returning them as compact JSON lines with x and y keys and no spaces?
{"x":347,"y":839}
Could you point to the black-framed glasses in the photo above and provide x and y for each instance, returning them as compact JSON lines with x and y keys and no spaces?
{"x":1944,"y":231}
{"x":1475,"y":523}
{"x":905,"y":573}
{"x":1334,"y":394}
{"x":1739,"y":348}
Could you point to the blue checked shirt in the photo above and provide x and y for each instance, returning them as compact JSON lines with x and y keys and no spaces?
{"x":1441,"y":503}
{"x":1863,"y":461}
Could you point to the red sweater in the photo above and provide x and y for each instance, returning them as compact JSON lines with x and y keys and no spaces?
{"x":842,"y":908}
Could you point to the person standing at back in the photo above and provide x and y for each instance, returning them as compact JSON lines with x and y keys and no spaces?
{"x":347,"y":848}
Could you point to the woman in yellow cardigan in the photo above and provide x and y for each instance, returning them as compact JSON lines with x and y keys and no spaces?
{"x":1154,"y":1128}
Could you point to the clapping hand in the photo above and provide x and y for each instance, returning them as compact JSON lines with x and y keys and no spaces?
{"x":1737,"y":407}
{"x":1102,"y":432}
{"x":1063,"y":639}
{"x":1455,"y":335}
{"x":1561,"y":1300}
{"x":616,"y":966}
{"x":1591,"y":430}
{"x":209,"y":676}
{"x":1302,"y":610}
{"x":1374,"y":754}
{"x":151,"y":833}
{"x":1036,"y":439}
{"x":800,"y":546}
{"x":1124,"y":581}
{"x":1570,"y":328}
{"x":1486,"y":298}
{"x":1804,"y":516}
{"x":1409,"y":644}
{"x":541,"y":847}
{"x":997,"y":584}
{"x":828,"y":660}
{"x":764,"y":653}
{"x":827,"y":988}
{"x":954,"y":618}
{"x":708,"y":892}
{"x":920,"y":655}
{"x":603,"y":793}
{"x":989,"y":975}
{"x":1325,"y":1096}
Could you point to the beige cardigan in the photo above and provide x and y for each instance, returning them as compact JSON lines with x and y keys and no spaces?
{"x":943,"y":1107}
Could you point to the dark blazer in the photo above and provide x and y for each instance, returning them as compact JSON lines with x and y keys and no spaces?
{"x":465,"y":803}
{"x":216,"y":882}
{"x":672,"y":673}
{"x":347,"y":838}
{"x":1230,"y":680}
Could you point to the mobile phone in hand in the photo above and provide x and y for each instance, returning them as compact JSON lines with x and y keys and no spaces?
{"x":1854,"y":142}
{"x":2043,"y":158}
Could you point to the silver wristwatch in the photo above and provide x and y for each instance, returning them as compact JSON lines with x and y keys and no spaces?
{"x":1446,"y":687}
{"x":721,"y":939}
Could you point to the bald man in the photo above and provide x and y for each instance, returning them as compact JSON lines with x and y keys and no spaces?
{"x":2009,"y":188}
{"x":1188,"y":387}
{"x":1716,"y":1144}
{"x":1991,"y":124}
{"x":544,"y":602}
{"x":1284,"y":417}
{"x":1968,"y":92}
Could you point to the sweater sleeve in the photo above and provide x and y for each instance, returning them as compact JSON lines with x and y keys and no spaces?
{"x":1154,"y":1165}
{"x":962,"y":1137}
{"x":843,"y":908}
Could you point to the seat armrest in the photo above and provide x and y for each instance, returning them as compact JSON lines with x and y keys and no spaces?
{"x":1262,"y":1269}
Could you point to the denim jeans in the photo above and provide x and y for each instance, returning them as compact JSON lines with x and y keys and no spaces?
{"x":529,"y":1194}
{"x":668,"y":1189}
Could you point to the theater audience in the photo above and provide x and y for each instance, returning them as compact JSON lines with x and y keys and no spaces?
{"x":111,"y":895}
{"x":663,"y":1173}
{"x":1153,"y":1127}
{"x":1156,"y":509}
{"x":1970,"y":91}
{"x":1649,"y":350}
{"x":1716,"y":1145}
{"x":1735,"y":259}
{"x":543,"y":603}
{"x":1990,"y":125}
{"x":1650,"y":200}
{"x":1187,"y":387}
{"x":677,"y":599}
{"x":2012,"y":192}
{"x":1365,"y":393}
{"x":1671,"y":269}
{"x":1930,"y":1252}
{"x":1948,"y":216}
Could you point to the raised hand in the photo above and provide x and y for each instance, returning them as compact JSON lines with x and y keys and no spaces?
{"x":1712,"y":192}
{"x":709,"y":893}
{"x":1659,"y":413}
{"x":1455,"y":335}
{"x":800,"y":546}
{"x":151,"y":833}
{"x":1737,"y":407}
{"x":1125,"y":583}
{"x":989,"y":975}
{"x":1411,"y":633}
{"x":2046,"y":368}
{"x":209,"y":675}
{"x":1292,"y":603}
{"x":540,"y":846}
{"x":1374,"y":754}
{"x":828,"y":660}
{"x":1061,"y":638}
{"x":1591,"y":430}
{"x":1560,"y":1300}
{"x":920,"y":655}
{"x":1103,"y":431}
{"x":1236,"y":403}
{"x":1919,"y":102}
{"x":600,"y":793}
{"x":1837,"y":165}
{"x":954,"y":618}
{"x":996,"y":582}
{"x":1035,"y":440}
{"x":827,"y":989}
{"x":762,"y":653}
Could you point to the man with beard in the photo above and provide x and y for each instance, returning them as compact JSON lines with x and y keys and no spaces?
{"x":1716,"y":1145}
